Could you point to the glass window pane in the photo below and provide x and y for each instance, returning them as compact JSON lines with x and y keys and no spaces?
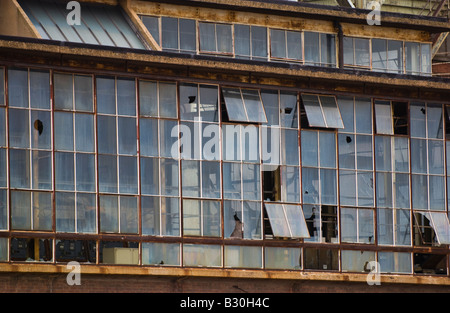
{"x":152,"y":24}
{"x":190,"y":178}
{"x":168,"y":100}
{"x":364,"y":152}
{"x":107,"y":173}
{"x":63,"y":131}
{"x":128,"y":215}
{"x":309,"y":148}
{"x":365,"y":188}
{"x":347,"y":190}
{"x":294,"y":45}
{"x":425,"y":58}
{"x":418,"y":119}
{"x":252,"y":220}
{"x":310,"y":185}
{"x":346,"y":151}
{"x":83,"y":93}
{"x":289,"y":142}
{"x":356,"y":261}
{"x":18,"y":88}
{"x":327,"y":142}
{"x":150,"y":216}
{"x":4,"y":209}
{"x":401,"y":184}
{"x":127,"y":135}
{"x":412,"y":57}
{"x":331,"y":112}
{"x":161,"y":253}
{"x":188,"y":35}
{"x":419,"y":156}
{"x":232,"y":180}
{"x":189,"y":101}
{"x":403,"y":228}
{"x":84,"y":133}
{"x":126,"y":97}
{"x":277,"y":219}
{"x":85,"y":164}
{"x":106,"y":95}
{"x":278,"y":43}
{"x":291,"y":181}
{"x":435,"y":157}
{"x":401,"y":150}
{"x":379,"y":54}
{"x":313,"y":110}
{"x":211,"y":218}
{"x":39,"y":89}
{"x":207,"y":37}
{"x":170,"y":217}
{"x":202,"y":255}
{"x":349,"y":52}
{"x":109,"y":214}
{"x":271,"y":107}
{"x":312,"y":48}
{"x":419,"y":192}
{"x":242,"y":40}
{"x":3,"y":130}
{"x":346,"y":107}
{"x":3,"y":168}
{"x":383,"y":116}
{"x":148,"y":98}
{"x":328,"y":186}
{"x":349,"y":225}
{"x":328,"y":49}
{"x":64,"y":171}
{"x":224,"y":38}
{"x":366,"y":226}
{"x":434,"y":121}
{"x":148,"y":137}
{"x":63,"y":88}
{"x":41,"y":134}
{"x":441,"y":227}
{"x":2,"y":86}
{"x":251,"y":181}
{"x":385,"y":224}
{"x":211,"y":179}
{"x":362,"y":52}
{"x":169,"y":32}
{"x":296,"y":221}
{"x":363,"y":115}
{"x":437,"y":192}
{"x":86,"y":213}
{"x":234,"y":104}
{"x":169,"y":177}
{"x":21,"y":210}
{"x":259,"y":41}
{"x":106,"y":128}
{"x":42,"y":210}
{"x":243,"y":256}
{"x":65,"y":212}
{"x":209,"y":103}
{"x":395,"y":262}
{"x":19,"y":168}
{"x":395,"y":56}
{"x":383,"y":153}
{"x":19,"y":132}
{"x":149,"y":176}
{"x":41,"y":170}
{"x":128,"y":176}
{"x":384,"y":190}
{"x":288,"y":110}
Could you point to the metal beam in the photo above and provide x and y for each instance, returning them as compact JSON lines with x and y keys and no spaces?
{"x":438,"y":43}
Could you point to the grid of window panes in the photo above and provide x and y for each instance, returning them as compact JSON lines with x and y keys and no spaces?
{"x":385,"y":55}
{"x":161,"y":161}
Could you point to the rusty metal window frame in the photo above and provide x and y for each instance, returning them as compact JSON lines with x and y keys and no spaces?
{"x":286,"y":48}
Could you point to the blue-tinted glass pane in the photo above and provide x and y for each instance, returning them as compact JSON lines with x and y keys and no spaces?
{"x":169,"y":28}
{"x":148,"y":98}
{"x":42,"y":210}
{"x":39,"y":89}
{"x":85,"y":164}
{"x":65,"y":211}
{"x":2,"y":128}
{"x":126,"y":97}
{"x":64,"y":171}
{"x":150,"y":176}
{"x":106,"y":128}
{"x":169,"y":177}
{"x":188,"y":35}
{"x":109,"y":214}
{"x":3,"y":209}
{"x":19,"y":133}
{"x":19,"y":168}
{"x":168,"y":100}
{"x":3,"y":166}
{"x":63,"y":131}
{"x":18,"y":88}
{"x":107,"y":173}
{"x":83,"y":93}
{"x":150,"y":216}
{"x":128,"y":175}
{"x":86,"y":213}
{"x":106,"y":95}
{"x":63,"y":89}
{"x":127,"y":135}
{"x":21,"y":210}
{"x":128,"y":215}
{"x":148,"y":135}
{"x":84,"y":133}
{"x":42,"y":170}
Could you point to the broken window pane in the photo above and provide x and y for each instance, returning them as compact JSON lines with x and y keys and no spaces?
{"x":288,"y":109}
{"x":41,"y":129}
{"x":310,"y":185}
{"x":347,"y":151}
{"x":418,"y":119}
{"x":287,"y":220}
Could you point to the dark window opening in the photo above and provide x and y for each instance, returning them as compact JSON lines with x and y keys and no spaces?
{"x":75,"y":250}
{"x":400,"y":111}
{"x":31,"y":249}
{"x":434,"y":264}
{"x":321,"y":259}
{"x":272,"y":184}
{"x":424,"y":234}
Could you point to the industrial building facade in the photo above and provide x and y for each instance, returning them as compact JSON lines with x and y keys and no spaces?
{"x":271,"y":142}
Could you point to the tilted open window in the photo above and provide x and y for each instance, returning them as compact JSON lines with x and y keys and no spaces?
{"x":287,"y":220}
{"x":322,"y":111}
{"x":244,"y":105}
{"x":432,"y":228}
